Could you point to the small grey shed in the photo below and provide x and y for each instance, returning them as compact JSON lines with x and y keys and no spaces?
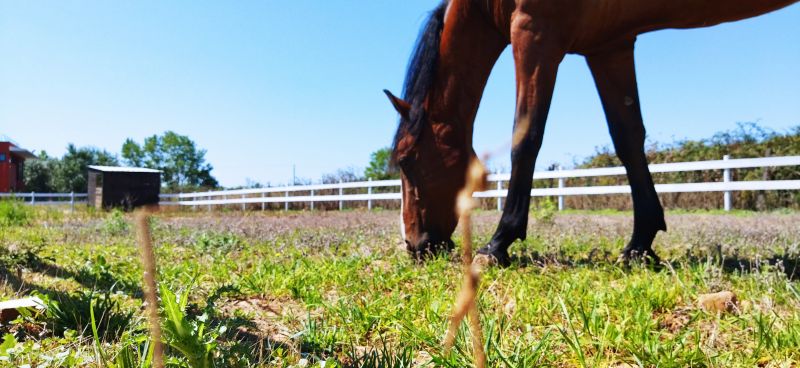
{"x":123,"y":187}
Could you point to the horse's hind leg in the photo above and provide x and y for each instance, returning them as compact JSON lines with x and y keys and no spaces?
{"x":536,"y":61}
{"x":615,"y":77}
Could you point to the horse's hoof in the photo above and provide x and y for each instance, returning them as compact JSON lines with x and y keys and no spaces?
{"x":484,"y":261}
{"x":647,"y":256}
{"x":487,"y":257}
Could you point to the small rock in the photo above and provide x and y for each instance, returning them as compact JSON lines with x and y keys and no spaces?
{"x":510,"y":307}
{"x":723,"y":301}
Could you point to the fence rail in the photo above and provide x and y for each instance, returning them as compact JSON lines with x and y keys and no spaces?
{"x":311,"y":193}
{"x":727,"y":186}
{"x":69,"y":199}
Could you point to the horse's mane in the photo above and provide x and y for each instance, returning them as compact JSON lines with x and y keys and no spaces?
{"x":421,"y":73}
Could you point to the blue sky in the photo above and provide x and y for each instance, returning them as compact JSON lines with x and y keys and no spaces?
{"x":264,"y":85}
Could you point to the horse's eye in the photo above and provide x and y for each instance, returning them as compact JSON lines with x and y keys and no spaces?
{"x":405,"y":161}
{"x":409,"y":169}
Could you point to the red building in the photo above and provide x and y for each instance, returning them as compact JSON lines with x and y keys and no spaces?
{"x":12,"y":164}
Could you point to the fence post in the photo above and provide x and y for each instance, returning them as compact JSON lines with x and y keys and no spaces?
{"x":33,"y":198}
{"x":312,"y":200}
{"x":726,"y":177}
{"x":209,"y":198}
{"x":341,"y":192}
{"x":263,"y":203}
{"x":244,"y":205}
{"x":72,"y":201}
{"x":369,"y":194}
{"x":286,"y":204}
{"x":499,"y":196}
{"x":561,"y":184}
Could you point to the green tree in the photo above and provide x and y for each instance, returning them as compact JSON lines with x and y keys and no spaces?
{"x":380,"y":167}
{"x":70,"y":174}
{"x":183,"y":164}
{"x":38,"y":174}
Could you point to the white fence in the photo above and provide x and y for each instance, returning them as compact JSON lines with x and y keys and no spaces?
{"x":48,"y":198}
{"x":310,"y":193}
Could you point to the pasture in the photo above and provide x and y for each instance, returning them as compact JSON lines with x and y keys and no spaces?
{"x":312,"y":289}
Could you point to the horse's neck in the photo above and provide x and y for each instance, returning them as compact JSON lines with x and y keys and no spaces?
{"x":469,"y":49}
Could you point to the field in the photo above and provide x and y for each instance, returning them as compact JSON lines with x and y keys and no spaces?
{"x":334,"y":289}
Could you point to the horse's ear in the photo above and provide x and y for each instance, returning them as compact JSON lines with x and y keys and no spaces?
{"x":401,"y":106}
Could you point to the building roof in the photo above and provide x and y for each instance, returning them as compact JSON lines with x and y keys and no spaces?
{"x":15,"y":149}
{"x":21,"y":152}
{"x":121,"y":169}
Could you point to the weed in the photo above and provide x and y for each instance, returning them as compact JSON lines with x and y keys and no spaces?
{"x":193,"y":338}
{"x":224,"y":242}
{"x":382,"y":357}
{"x":545,"y":212}
{"x":75,"y":311}
{"x":116,"y":224}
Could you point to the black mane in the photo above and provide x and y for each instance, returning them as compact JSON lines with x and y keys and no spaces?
{"x":421,"y":73}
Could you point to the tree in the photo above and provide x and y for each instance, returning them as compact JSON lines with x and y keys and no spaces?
{"x":70,"y":174}
{"x":183,"y":165}
{"x":344,"y":175}
{"x":380,"y":167}
{"x":38,"y":174}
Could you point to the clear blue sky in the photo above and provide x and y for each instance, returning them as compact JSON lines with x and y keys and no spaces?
{"x":263,"y":85}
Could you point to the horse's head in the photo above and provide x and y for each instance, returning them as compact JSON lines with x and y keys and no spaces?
{"x":433,"y":159}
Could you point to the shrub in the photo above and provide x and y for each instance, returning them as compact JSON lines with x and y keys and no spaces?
{"x":14,"y":213}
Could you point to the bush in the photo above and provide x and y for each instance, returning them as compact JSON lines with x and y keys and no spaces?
{"x":14,"y":213}
{"x":748,"y":140}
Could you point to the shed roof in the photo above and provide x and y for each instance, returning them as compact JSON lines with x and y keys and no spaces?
{"x":123,"y":169}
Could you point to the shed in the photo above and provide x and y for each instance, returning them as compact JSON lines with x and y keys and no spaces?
{"x":125,"y":187}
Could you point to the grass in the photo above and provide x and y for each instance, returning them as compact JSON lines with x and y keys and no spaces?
{"x":287,"y":289}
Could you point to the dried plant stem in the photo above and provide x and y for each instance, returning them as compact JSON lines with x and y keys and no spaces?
{"x":466,"y":302}
{"x":150,"y":292}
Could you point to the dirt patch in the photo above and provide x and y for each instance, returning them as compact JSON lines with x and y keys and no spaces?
{"x":677,"y":320}
{"x":270,"y":320}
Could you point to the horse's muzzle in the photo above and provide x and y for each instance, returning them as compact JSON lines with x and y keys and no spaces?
{"x":429,"y":245}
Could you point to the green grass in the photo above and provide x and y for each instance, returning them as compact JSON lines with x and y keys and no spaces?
{"x":282,"y":289}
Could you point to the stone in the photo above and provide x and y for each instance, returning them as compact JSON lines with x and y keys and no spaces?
{"x":723,"y":301}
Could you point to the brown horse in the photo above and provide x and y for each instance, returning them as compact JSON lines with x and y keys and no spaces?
{"x":455,"y":53}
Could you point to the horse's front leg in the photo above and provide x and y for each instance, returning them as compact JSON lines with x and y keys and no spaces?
{"x":536,"y":58}
{"x":615,"y":77}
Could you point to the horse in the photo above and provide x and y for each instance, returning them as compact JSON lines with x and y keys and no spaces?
{"x":455,"y":52}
